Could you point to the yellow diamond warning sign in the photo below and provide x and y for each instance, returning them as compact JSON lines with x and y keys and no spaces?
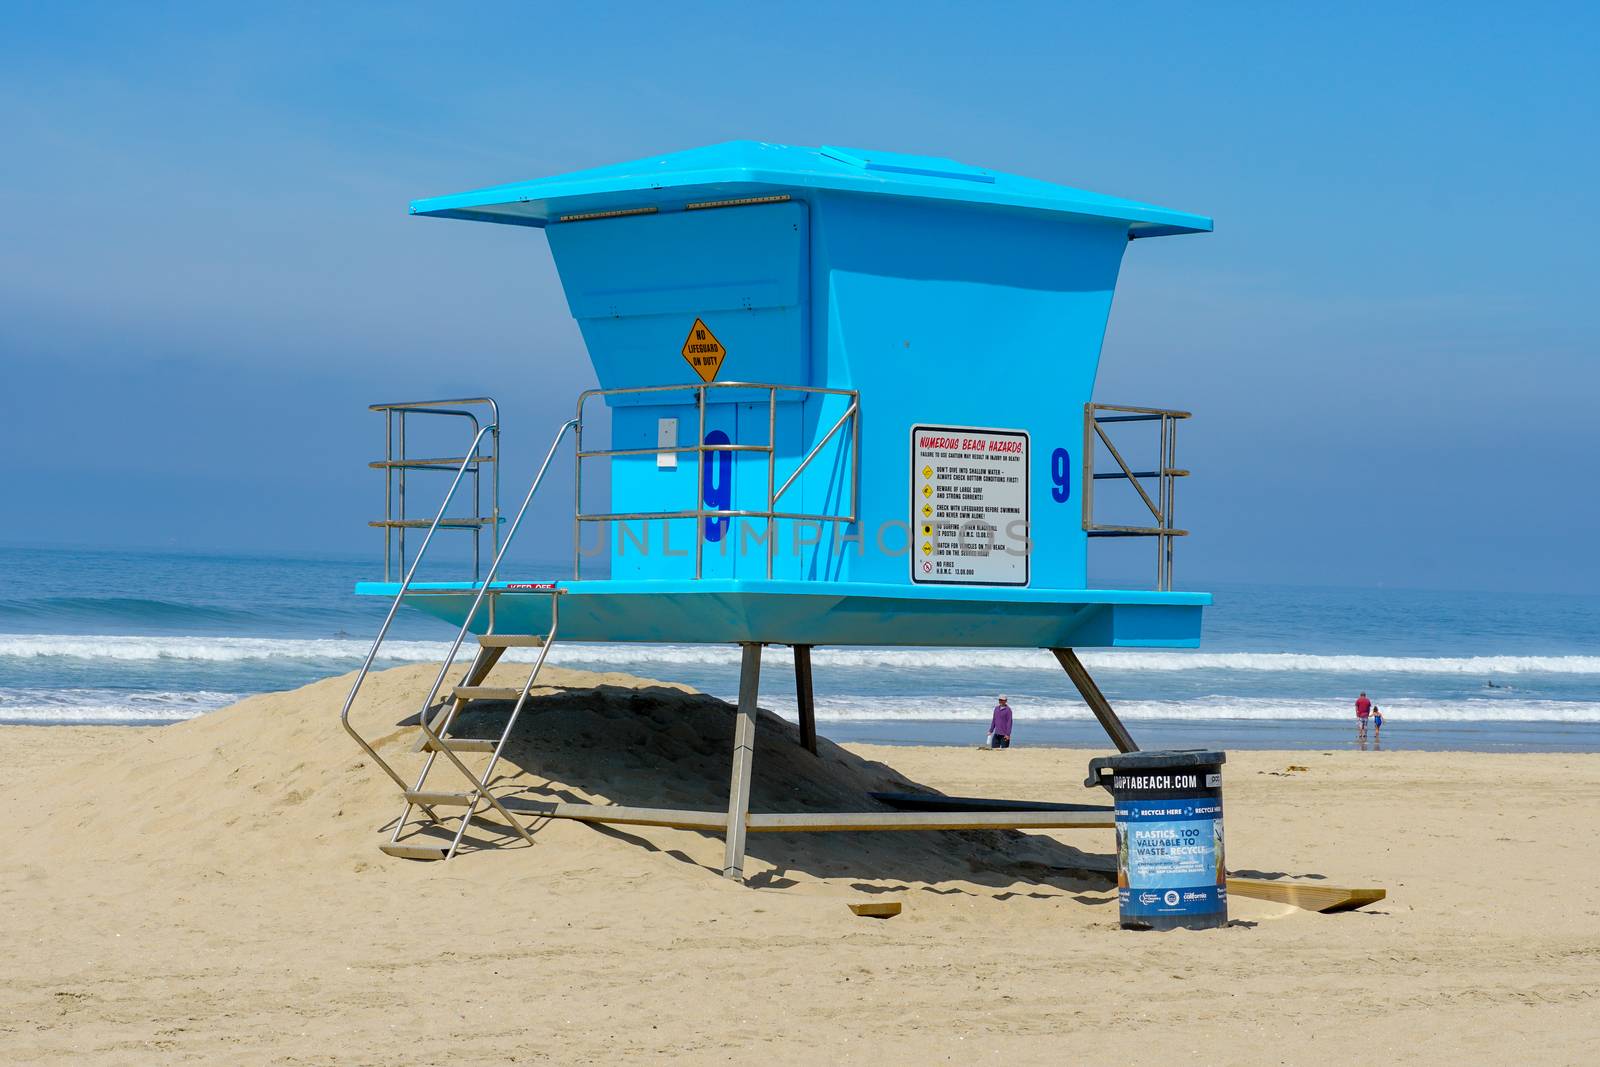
{"x":703,"y":351}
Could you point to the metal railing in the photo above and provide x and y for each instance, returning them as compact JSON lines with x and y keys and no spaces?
{"x":1166,"y":475}
{"x":396,"y":464}
{"x":700,"y":512}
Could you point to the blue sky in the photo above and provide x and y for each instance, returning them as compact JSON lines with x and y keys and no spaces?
{"x":207,"y":269}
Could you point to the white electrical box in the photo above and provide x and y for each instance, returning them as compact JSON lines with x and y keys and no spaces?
{"x":666,"y":437}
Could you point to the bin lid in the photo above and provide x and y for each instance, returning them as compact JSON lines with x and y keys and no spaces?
{"x":745,"y":169}
{"x":1145,"y":761}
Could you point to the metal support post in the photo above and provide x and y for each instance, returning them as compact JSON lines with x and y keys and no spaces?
{"x":803,"y":697}
{"x":744,"y":749}
{"x":1095,"y":699}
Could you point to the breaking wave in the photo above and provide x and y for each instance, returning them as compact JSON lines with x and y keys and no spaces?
{"x":346,"y":653}
{"x":1209,"y":709}
{"x":98,"y":707}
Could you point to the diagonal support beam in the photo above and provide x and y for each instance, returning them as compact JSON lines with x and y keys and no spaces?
{"x":481,"y":665}
{"x":805,"y":698}
{"x":1095,"y":699}
{"x":744,"y":748}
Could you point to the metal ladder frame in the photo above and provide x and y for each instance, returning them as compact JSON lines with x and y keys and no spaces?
{"x":433,"y":740}
{"x":1166,"y":475}
{"x":394,"y":608}
{"x":395,"y":466}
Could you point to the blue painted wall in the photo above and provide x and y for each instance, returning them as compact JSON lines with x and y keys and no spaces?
{"x":937,"y":311}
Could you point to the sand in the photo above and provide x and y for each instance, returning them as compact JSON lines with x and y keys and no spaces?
{"x":212,"y":892}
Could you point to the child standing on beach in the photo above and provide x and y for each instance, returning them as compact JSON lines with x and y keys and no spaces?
{"x":1377,"y":724}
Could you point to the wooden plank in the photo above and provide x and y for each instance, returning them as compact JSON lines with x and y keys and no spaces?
{"x":415,"y":852}
{"x":812,"y":822}
{"x":844,"y":821}
{"x":1308,"y":895}
{"x":428,"y":798}
{"x":511,"y":640}
{"x":877,"y":909}
{"x":486,"y":692}
{"x":676,"y":818}
{"x":461,"y":744}
{"x":940,"y":802}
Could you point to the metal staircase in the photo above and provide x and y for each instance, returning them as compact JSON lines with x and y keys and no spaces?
{"x":437,"y":740}
{"x":440,"y":808}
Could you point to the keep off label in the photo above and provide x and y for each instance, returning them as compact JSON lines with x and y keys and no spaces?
{"x":969,"y":506}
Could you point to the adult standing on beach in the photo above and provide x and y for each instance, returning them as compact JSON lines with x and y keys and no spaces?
{"x":1363,"y":709}
{"x":1000,"y":725}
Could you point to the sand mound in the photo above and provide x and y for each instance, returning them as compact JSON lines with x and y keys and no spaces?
{"x":274,"y":782}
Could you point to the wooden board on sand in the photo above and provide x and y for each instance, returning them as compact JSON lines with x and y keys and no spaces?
{"x":877,"y":909}
{"x":1324,"y":898}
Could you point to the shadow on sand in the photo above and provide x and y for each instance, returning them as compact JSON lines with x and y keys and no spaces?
{"x":661,"y":747}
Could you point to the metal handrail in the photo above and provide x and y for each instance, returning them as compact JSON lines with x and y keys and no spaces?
{"x":413,"y":405}
{"x":700,"y":512}
{"x":1166,"y":475}
{"x":483,"y":587}
{"x":388,"y":620}
{"x":849,"y":413}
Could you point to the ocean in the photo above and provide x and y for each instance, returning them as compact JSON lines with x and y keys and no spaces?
{"x":147,"y":638}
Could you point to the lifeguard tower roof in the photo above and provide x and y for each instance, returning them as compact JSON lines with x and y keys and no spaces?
{"x":739,"y":169}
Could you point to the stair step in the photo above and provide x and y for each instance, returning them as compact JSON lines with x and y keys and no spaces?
{"x":440,"y":800}
{"x":416,"y":852}
{"x":485,"y":692}
{"x":511,"y":640}
{"x":462,"y":744}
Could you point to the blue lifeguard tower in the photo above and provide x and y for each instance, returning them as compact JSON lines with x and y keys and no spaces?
{"x":850,"y":403}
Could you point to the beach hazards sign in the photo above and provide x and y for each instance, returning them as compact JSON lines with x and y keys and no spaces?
{"x":969,"y":505}
{"x":703,"y":351}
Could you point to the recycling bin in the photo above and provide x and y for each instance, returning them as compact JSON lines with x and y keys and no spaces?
{"x":1171,"y":873}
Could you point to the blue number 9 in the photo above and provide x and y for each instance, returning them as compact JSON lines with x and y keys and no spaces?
{"x":1061,"y":475}
{"x":716,"y":485}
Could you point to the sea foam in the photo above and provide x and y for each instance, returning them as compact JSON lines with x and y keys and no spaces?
{"x":346,"y":653}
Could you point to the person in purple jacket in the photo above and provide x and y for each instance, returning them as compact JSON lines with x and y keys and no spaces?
{"x":1000,"y":725}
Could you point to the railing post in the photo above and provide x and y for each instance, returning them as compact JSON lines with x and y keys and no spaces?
{"x":772,"y":461}
{"x":577,"y":493}
{"x":402,"y":472}
{"x":699,"y":492}
{"x":388,"y":490}
{"x":1088,"y":466}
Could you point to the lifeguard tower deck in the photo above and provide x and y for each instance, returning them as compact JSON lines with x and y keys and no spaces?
{"x":849,"y":397}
